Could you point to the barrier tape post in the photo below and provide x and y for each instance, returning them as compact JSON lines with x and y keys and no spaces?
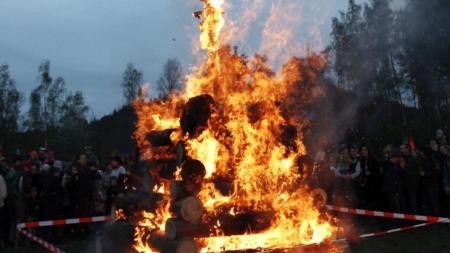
{"x":52,"y":248}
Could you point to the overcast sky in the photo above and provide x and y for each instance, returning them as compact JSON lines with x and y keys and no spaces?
{"x":89,"y":42}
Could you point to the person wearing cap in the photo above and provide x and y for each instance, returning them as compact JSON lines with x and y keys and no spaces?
{"x":392,"y":180}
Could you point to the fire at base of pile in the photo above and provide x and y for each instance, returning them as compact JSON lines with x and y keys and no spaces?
{"x":211,"y":211}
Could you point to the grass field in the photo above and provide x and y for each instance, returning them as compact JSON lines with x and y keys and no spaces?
{"x":430,"y":239}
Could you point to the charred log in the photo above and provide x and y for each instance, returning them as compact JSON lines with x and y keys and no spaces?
{"x":289,"y":136}
{"x":179,"y":228}
{"x":160,"y":138}
{"x":180,"y":151}
{"x":163,"y":168}
{"x":164,"y":244}
{"x":195,"y":115}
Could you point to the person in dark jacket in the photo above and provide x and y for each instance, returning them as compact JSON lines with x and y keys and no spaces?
{"x":52,"y":201}
{"x":391,"y":181}
{"x":371,"y":179}
{"x":410,"y":180}
{"x":431,"y":179}
{"x":33,"y":205}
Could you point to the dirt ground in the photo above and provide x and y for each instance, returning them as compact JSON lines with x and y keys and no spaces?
{"x":429,"y":239}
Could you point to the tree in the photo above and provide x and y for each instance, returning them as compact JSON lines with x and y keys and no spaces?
{"x":348,"y":50}
{"x":55,"y":101}
{"x":170,"y":79}
{"x":46,"y":101}
{"x":132,"y":79}
{"x":34,"y":120}
{"x":10,"y":102}
{"x":74,"y":108}
{"x":72,"y":133}
{"x":424,"y":28}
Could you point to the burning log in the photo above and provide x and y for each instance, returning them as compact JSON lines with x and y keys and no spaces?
{"x":164,"y":244}
{"x":160,"y":138}
{"x":289,"y":136}
{"x":320,"y":197}
{"x":164,"y":168}
{"x":183,"y":193}
{"x":189,"y":208}
{"x":195,"y":115}
{"x":230,"y":225}
{"x":179,"y":228}
{"x":180,"y":151}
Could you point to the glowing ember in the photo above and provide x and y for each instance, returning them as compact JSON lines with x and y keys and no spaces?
{"x":252,"y":139}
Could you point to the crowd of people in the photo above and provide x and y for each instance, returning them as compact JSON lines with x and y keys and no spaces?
{"x":38,"y":186}
{"x":402,"y":179}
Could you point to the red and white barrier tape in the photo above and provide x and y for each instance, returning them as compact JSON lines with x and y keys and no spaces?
{"x":401,"y":216}
{"x":363,"y":236}
{"x":52,"y":248}
{"x":381,"y":233}
{"x":61,"y":222}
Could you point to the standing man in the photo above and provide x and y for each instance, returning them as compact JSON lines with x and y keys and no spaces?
{"x":410,"y":180}
{"x":391,"y":181}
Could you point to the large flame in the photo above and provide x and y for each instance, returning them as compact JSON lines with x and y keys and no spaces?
{"x":243,"y":142}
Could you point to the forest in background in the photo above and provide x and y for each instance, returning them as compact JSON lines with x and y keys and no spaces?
{"x":386,"y":78}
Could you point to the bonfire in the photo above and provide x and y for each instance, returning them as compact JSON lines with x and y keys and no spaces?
{"x":231,"y":139}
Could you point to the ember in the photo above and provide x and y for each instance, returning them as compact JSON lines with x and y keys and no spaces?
{"x":233,"y":117}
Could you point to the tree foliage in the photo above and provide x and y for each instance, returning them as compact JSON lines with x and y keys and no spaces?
{"x":170,"y":79}
{"x":10,"y":102}
{"x":131,"y":82}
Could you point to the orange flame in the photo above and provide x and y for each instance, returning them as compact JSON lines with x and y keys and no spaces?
{"x":244,"y":142}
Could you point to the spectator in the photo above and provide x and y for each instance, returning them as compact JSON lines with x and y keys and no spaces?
{"x":323,"y":175}
{"x":441,"y":139}
{"x":410,"y":180}
{"x":391,"y":181}
{"x":111,"y":193}
{"x":33,"y":205}
{"x":446,"y":182}
{"x":3,"y":217}
{"x":371,"y":177}
{"x":117,"y":167}
{"x":348,"y":169}
{"x":91,"y":158}
{"x":42,"y":155}
{"x":35,"y":178}
{"x":387,"y":151}
{"x":34,"y":158}
{"x":80,"y":192}
{"x":431,"y":179}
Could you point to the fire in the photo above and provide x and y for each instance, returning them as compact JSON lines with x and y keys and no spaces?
{"x":253,"y":139}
